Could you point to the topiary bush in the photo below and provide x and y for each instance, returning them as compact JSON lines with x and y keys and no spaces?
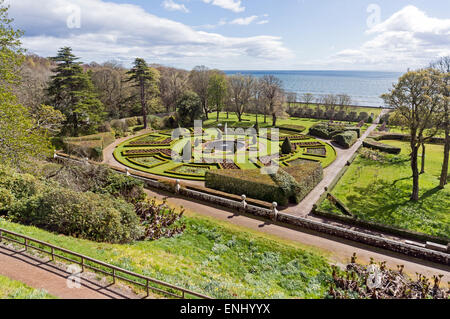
{"x":286,"y":147}
{"x":346,"y":139}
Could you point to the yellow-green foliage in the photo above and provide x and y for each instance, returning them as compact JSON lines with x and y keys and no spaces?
{"x":12,"y":289}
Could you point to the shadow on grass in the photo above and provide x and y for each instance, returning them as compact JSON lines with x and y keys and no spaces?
{"x":388,"y":203}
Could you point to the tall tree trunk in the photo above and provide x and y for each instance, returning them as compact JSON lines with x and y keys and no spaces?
{"x":415,"y":173}
{"x":265,"y":117}
{"x":218,"y":113}
{"x":274,"y":119}
{"x":256,"y":118}
{"x":422,"y":169}
{"x":444,"y":171}
{"x":143,"y":103}
{"x":205,"y":109}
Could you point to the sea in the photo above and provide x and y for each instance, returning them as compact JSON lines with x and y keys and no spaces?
{"x":364,"y":87}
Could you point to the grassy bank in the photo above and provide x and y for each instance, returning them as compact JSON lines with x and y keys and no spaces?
{"x":380,"y":191}
{"x":12,"y":289}
{"x":213,"y":258}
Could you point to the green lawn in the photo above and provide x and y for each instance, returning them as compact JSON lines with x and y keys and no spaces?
{"x":358,"y":109}
{"x":12,"y":289}
{"x":379,"y":192}
{"x":214,"y":258}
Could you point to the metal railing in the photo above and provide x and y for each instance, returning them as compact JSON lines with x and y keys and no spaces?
{"x":145,"y":282}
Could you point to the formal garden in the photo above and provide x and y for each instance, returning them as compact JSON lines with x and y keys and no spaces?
{"x":214,"y":147}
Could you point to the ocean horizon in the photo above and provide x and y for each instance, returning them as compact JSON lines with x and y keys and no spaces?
{"x":364,"y":87}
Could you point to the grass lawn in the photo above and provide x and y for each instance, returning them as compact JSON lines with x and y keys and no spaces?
{"x":12,"y":289}
{"x":214,"y":258}
{"x":380,"y":191}
{"x":375,"y":110}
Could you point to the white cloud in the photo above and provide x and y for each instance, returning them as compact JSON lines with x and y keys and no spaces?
{"x":123,"y":32}
{"x":407,"y":39}
{"x":173,"y":6}
{"x":244,"y":21}
{"x":233,"y":5}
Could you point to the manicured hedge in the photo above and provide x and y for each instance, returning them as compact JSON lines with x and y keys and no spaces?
{"x":290,"y":184}
{"x":325,"y":130}
{"x":370,"y":143}
{"x":90,"y":146}
{"x":292,"y":128}
{"x":354,"y":129}
{"x":346,"y":139}
{"x":307,"y":176}
{"x":249,"y":182}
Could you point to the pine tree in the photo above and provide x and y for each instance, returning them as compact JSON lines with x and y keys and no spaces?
{"x":147,"y":80}
{"x":286,"y":148}
{"x":71,"y":91}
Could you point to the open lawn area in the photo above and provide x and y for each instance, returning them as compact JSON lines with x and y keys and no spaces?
{"x":379,"y":191}
{"x":212,"y":257}
{"x":12,"y":289}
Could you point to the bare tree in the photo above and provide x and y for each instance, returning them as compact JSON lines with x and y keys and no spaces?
{"x":417,"y":99}
{"x":274,"y":96}
{"x":199,"y":80}
{"x":308,"y":98}
{"x":240,"y":93}
{"x":343,"y":101}
{"x":443,"y":66}
{"x":174,"y":83}
{"x":291,"y":99}
{"x":330,"y":102}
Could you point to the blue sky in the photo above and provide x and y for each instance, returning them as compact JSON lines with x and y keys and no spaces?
{"x":245,"y":34}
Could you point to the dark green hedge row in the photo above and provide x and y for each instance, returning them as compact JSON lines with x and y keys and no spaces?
{"x":324,"y":130}
{"x":292,"y":128}
{"x":407,"y":137}
{"x":346,"y":139}
{"x":288,"y":185}
{"x":370,"y":143}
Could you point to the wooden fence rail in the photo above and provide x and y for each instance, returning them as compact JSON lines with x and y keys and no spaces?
{"x":115,"y":272}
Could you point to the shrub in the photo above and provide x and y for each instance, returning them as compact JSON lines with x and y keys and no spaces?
{"x":370,"y":120}
{"x":119,"y":125}
{"x":363,"y":116}
{"x":325,"y":130}
{"x":90,"y":146}
{"x":84,"y":215}
{"x":307,"y":176}
{"x":346,"y":139}
{"x":354,"y":129}
{"x":155,"y":122}
{"x":170,"y":122}
{"x":287,"y":185}
{"x":370,"y":143}
{"x":286,"y":148}
{"x":249,"y":182}
{"x":131,"y":121}
{"x":293,"y":128}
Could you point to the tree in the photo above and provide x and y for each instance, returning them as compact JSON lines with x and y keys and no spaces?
{"x":199,"y":79}
{"x":330,"y":102}
{"x":274,"y":96}
{"x":443,"y":66}
{"x":240,"y":93}
{"x":19,"y":140}
{"x":147,"y":80}
{"x":343,"y":101}
{"x":189,"y":108}
{"x":115,"y":92}
{"x":217,"y":91}
{"x":417,"y":99}
{"x":72,"y":93}
{"x":286,"y":147}
{"x":307,"y":98}
{"x":291,"y":99}
{"x":173,"y":85}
